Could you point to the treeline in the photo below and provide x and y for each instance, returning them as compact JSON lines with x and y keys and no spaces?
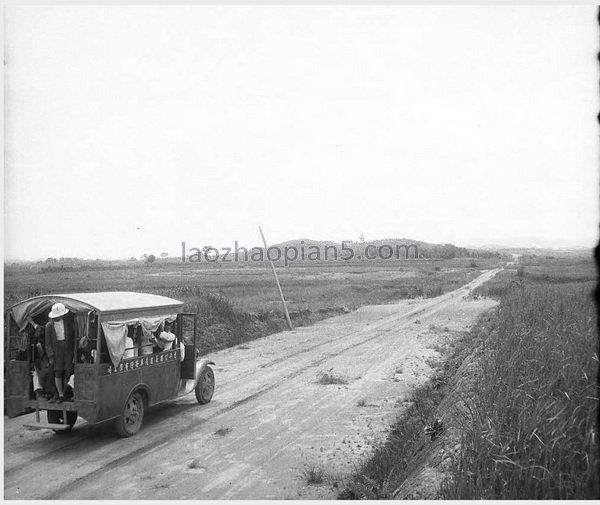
{"x":345,"y":252}
{"x":450,"y":251}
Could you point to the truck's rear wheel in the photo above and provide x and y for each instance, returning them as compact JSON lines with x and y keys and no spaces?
{"x":206,"y":386}
{"x":56,"y":417}
{"x":130,"y":421}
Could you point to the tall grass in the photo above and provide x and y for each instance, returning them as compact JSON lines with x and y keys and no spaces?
{"x":532,"y":427}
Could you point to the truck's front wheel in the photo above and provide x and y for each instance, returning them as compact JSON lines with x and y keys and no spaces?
{"x":206,"y":386}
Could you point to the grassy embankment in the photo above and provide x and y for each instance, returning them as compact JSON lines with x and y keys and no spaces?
{"x":236,"y":305}
{"x":529,"y":427}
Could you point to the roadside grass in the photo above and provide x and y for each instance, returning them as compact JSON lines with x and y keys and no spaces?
{"x":533,"y":430}
{"x":530,"y":427}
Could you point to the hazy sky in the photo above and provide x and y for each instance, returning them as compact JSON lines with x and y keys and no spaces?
{"x":131,"y":129}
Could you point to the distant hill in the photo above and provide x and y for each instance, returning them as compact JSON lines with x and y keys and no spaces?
{"x":395,"y":248}
{"x":306,"y":242}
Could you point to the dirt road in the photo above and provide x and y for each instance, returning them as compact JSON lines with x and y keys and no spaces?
{"x":270,"y":423}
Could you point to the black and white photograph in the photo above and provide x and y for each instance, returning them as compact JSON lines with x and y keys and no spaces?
{"x":301,"y":252}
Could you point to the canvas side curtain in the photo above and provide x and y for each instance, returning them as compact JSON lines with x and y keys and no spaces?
{"x":31,"y":308}
{"x":116,"y":331}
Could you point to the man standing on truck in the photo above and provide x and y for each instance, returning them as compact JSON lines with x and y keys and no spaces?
{"x":43,"y":375}
{"x":60,"y":340}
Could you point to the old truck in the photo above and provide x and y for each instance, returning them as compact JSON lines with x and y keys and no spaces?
{"x":118,"y":370}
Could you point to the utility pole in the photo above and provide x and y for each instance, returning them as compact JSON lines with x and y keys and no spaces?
{"x":285,"y":310}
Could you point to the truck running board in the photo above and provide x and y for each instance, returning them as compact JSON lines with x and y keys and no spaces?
{"x":51,"y":426}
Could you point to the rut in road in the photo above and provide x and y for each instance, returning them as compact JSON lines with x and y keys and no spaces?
{"x":254,"y":383}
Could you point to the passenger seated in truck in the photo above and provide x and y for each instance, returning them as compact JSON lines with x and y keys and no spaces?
{"x":84,"y":351}
{"x":163,"y":340}
{"x":131,"y":350}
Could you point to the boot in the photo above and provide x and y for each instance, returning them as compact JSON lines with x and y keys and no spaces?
{"x":39,"y":395}
{"x":54,"y":398}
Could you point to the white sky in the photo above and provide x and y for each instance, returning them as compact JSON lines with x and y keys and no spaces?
{"x":471,"y":125}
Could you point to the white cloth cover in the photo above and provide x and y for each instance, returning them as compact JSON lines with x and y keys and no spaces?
{"x":115,"y":333}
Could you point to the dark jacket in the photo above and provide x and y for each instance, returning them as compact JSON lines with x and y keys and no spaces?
{"x":38,"y":348}
{"x":69,"y":339}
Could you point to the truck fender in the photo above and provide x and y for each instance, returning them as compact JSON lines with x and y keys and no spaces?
{"x":187,"y":385}
{"x":201,"y":364}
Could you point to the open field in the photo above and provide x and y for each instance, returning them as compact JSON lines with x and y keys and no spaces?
{"x":240,"y":303}
{"x":518,"y":397}
{"x":251,"y":288}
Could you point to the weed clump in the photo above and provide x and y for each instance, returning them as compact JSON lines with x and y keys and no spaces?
{"x":330,"y":377}
{"x":313,"y":474}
